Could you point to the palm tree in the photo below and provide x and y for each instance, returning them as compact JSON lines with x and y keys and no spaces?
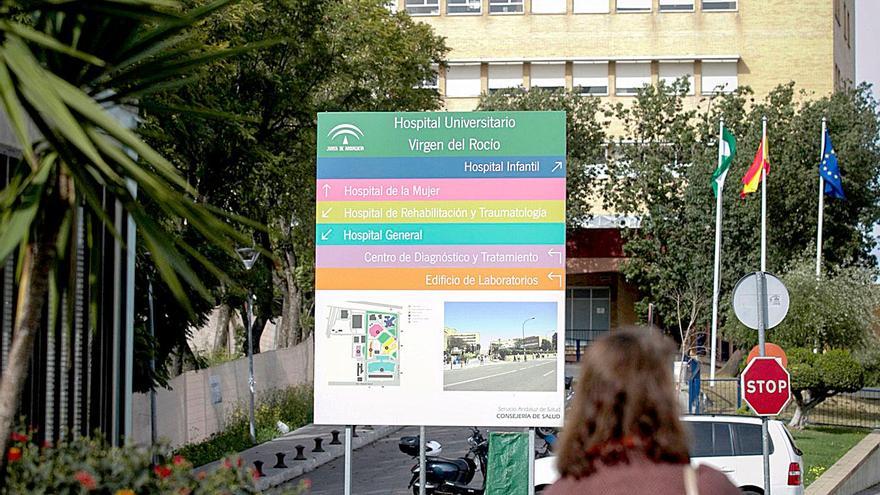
{"x":67,"y":67}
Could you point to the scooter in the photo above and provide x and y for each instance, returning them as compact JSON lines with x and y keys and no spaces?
{"x":448,"y":476}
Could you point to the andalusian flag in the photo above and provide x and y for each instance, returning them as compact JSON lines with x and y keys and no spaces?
{"x":753,"y":174}
{"x":726,"y":150}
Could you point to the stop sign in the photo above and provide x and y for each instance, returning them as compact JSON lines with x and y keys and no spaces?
{"x":766,"y":386}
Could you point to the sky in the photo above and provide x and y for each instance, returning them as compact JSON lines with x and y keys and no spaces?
{"x":501,"y":320}
{"x":867,"y":59}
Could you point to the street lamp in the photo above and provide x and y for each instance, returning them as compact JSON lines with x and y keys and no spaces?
{"x":524,"y":336}
{"x":249,"y":258}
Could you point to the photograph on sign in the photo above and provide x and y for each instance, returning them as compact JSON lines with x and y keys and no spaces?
{"x":440,"y":268}
{"x":490,"y":349}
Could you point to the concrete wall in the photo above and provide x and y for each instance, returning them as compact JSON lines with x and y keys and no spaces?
{"x":199,"y":402}
{"x":857,"y":470}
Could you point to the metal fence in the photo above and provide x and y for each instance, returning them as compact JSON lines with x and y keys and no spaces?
{"x":858,"y":409}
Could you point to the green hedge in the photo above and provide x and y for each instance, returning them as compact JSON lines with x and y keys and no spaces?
{"x":293,"y":406}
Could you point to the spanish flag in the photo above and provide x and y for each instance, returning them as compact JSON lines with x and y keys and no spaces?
{"x":753,"y":174}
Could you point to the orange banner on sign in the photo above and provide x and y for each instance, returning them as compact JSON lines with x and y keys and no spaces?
{"x":439,"y":279}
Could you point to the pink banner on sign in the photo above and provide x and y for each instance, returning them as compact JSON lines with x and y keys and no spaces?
{"x":439,"y":189}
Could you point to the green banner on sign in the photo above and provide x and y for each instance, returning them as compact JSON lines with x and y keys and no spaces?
{"x":440,"y":134}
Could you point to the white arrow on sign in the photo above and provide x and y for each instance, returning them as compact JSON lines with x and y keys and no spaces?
{"x":557,"y":167}
{"x":552,"y":252}
{"x":326,"y":213}
{"x":326,"y":189}
{"x":555,"y":276}
{"x":326,"y":235}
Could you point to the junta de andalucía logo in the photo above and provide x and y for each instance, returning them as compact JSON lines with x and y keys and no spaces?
{"x":344,"y":137}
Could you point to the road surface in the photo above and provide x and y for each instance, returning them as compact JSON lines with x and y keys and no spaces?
{"x":514,"y":376}
{"x":381,"y":469}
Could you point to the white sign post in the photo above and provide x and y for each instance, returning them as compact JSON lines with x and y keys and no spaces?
{"x":440,"y":269}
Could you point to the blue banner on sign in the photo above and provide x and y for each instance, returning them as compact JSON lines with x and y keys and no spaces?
{"x":441,"y":167}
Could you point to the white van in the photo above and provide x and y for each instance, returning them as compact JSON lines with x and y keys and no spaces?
{"x":731,"y":444}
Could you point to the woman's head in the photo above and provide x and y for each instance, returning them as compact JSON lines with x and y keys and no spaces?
{"x":624,"y":402}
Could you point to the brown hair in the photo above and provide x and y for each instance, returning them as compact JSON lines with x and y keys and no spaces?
{"x":624,"y":403}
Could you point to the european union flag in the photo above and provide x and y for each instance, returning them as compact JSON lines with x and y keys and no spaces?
{"x":830,"y":171}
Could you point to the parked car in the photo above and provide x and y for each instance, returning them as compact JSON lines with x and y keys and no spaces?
{"x":731,"y":444}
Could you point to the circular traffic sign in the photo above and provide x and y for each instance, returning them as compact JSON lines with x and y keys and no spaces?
{"x":771,"y":350}
{"x":745,"y":300}
{"x":766,"y":386}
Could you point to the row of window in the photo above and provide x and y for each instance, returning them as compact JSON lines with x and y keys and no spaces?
{"x":588,"y":78}
{"x":475,"y":7}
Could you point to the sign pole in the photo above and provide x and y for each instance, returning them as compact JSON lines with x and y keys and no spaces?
{"x":821,"y":206}
{"x":349,"y":431}
{"x":423,"y":476}
{"x":762,"y":325}
{"x":531,"y":461}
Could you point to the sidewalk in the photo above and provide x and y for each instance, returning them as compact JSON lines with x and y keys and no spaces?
{"x":305,"y":436}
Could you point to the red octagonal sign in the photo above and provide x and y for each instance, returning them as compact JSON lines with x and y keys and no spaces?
{"x":766,"y":386}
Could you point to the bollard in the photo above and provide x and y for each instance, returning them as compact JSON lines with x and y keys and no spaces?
{"x":318,"y":448}
{"x":259,"y":466}
{"x":299,"y":453}
{"x":335,"y":440}
{"x":280,"y":464}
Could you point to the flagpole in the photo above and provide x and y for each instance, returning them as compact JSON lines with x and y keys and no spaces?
{"x":821,"y":205}
{"x":716,"y":285}
{"x":764,"y":195}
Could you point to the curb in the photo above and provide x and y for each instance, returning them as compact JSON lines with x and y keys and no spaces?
{"x":855,"y":471}
{"x":279,"y":476}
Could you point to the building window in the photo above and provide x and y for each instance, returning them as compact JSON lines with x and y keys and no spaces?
{"x":587,"y":315}
{"x":673,"y":71}
{"x":463,"y":80}
{"x":505,"y":6}
{"x":633,"y":5}
{"x":464,"y":6}
{"x":719,"y":5}
{"x":632,"y":76}
{"x":676,"y":5}
{"x":433,"y":82}
{"x":719,"y":77}
{"x":548,"y":75}
{"x":590,"y":78}
{"x":548,"y":6}
{"x":423,"y":7}
{"x":847,"y":31}
{"x":590,"y":6}
{"x":503,"y":76}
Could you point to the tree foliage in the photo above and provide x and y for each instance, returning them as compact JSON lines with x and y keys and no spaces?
{"x":70,"y":73}
{"x":251,"y":149}
{"x":662,"y":165}
{"x":653,"y":157}
{"x":817,"y":376}
{"x":834,"y":312}
{"x":585,"y":135}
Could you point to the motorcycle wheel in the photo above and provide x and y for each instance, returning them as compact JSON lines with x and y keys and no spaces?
{"x":543,"y":431}
{"x":428,"y":491}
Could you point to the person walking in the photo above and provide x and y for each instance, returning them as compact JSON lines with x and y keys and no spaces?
{"x":623,"y":435}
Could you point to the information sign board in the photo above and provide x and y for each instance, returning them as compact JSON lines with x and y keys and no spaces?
{"x":440,"y":268}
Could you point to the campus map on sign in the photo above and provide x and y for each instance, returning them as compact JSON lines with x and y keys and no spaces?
{"x":440,"y":268}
